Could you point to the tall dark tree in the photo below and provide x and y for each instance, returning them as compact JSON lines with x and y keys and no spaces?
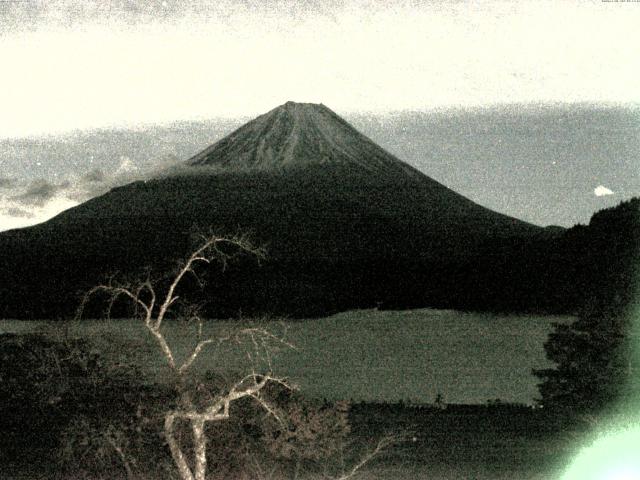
{"x":594,"y":353}
{"x":592,"y":363}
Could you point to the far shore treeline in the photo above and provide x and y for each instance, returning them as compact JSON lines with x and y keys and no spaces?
{"x":557,"y":272}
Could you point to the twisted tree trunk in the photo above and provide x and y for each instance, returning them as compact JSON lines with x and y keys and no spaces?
{"x":176,"y":452}
{"x":199,"y":448}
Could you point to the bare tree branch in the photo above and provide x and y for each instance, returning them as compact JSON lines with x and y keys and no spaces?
{"x":192,"y":358}
{"x":123,"y":458}
{"x":153,"y":306}
{"x":382,"y":445}
{"x":270,"y":409}
{"x":208,"y":251}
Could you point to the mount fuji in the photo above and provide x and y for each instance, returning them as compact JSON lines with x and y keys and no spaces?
{"x":345,"y":225}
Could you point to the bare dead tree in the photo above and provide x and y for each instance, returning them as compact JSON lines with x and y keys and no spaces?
{"x":383,"y":444}
{"x":152,"y":307}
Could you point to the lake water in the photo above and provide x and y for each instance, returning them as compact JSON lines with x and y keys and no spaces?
{"x":409,"y":355}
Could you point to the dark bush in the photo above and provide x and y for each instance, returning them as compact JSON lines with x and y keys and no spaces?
{"x":96,"y":419}
{"x":43,"y":383}
{"x":63,"y":398}
{"x":294,"y":435}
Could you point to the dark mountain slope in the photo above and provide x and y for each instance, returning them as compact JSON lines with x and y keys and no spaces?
{"x":345,"y":224}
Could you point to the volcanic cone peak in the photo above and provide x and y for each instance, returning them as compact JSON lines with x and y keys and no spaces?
{"x":299,"y":135}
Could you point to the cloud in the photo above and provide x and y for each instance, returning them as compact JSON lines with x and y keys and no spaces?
{"x":94,"y":176}
{"x":601,"y":191}
{"x":126,"y":166}
{"x":18,"y":212}
{"x":97,"y":182}
{"x":24,"y":203}
{"x":39,"y":192}
{"x":7,"y":182}
{"x":362,"y":56}
{"x":17,"y":215}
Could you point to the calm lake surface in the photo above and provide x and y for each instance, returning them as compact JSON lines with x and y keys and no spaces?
{"x":409,"y":355}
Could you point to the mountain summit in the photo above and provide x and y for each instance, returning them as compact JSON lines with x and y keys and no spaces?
{"x":299,"y":135}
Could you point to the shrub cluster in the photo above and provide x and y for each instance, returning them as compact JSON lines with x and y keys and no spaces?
{"x":88,"y":417}
{"x":63,"y":399}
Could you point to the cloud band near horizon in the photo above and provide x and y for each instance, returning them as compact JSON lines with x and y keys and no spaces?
{"x":70,"y":65}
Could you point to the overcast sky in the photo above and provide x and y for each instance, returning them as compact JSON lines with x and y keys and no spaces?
{"x":71,"y":66}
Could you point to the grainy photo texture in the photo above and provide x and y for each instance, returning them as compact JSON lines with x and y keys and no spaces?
{"x":304,"y":240}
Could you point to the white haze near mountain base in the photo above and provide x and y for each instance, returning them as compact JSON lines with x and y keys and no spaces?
{"x":28,"y":203}
{"x":14,"y":216}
